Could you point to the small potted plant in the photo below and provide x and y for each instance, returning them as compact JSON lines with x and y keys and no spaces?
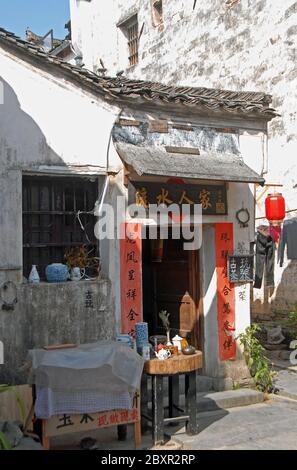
{"x":80,"y":264}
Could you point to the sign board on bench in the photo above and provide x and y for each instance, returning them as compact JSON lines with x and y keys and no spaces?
{"x":70,"y":423}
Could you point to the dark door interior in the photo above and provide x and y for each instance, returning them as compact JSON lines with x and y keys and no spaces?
{"x":171,"y":284}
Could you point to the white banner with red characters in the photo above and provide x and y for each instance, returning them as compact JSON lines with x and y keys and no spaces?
{"x":225,"y":292}
{"x":67,"y":423}
{"x":131,"y":276}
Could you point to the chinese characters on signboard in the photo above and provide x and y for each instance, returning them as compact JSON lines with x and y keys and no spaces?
{"x":131,"y":278}
{"x":225,"y":292}
{"x":213,"y":198}
{"x":68,"y":423}
{"x":240,"y":268}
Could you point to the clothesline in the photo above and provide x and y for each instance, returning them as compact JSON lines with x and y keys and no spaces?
{"x":287,"y":212}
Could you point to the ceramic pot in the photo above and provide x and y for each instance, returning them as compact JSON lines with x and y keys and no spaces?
{"x":77,"y":274}
{"x":56,"y":272}
{"x":159,"y":339}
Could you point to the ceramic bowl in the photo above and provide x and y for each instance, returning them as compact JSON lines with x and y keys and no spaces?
{"x":161,"y":339}
{"x":189,"y":350}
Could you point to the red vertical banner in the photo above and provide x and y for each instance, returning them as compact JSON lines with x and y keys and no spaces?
{"x":225,"y":292}
{"x":131,"y":276}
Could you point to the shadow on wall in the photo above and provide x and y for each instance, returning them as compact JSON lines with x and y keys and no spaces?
{"x":44,"y":313}
{"x":23,"y":147}
{"x":22,"y":142}
{"x":281,"y":300}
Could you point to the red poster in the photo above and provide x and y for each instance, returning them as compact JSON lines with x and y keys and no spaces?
{"x":225,"y":292}
{"x":131,"y":277}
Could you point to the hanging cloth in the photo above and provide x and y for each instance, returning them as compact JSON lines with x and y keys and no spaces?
{"x":289,"y":239}
{"x":275,"y":232}
{"x":265,"y":251}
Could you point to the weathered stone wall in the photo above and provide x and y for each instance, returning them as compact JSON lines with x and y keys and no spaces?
{"x":53,"y":314}
{"x":249,"y":46}
{"x":47,"y":126}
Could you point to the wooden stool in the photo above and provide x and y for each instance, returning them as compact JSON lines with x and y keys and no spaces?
{"x":174,"y":366}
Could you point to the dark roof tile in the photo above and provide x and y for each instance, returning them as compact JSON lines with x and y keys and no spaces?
{"x":127,"y":89}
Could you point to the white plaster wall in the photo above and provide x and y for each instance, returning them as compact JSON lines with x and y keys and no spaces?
{"x":46,"y":124}
{"x":212,"y":365}
{"x":251,"y":46}
{"x":47,"y":120}
{"x":91,"y":25}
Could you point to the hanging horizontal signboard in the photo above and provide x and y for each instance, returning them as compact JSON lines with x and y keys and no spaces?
{"x":213,"y":198}
{"x":241,"y":268}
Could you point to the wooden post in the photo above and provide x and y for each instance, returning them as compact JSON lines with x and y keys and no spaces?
{"x":137,"y":434}
{"x":158,"y":409}
{"x":45,"y":438}
{"x":191,"y":405}
{"x":173,"y":395}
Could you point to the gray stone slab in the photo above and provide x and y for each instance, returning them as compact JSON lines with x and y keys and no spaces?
{"x":228,"y":399}
{"x":286,"y":382}
{"x":271,"y":425}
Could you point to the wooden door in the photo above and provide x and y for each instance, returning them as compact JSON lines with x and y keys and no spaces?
{"x":175,"y":289}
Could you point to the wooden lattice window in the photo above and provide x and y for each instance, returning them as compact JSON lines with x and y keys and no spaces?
{"x":132,"y":35}
{"x":50,"y":223}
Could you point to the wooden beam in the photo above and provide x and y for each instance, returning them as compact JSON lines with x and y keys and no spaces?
{"x":158,"y":125}
{"x":129,"y":122}
{"x":183,"y":150}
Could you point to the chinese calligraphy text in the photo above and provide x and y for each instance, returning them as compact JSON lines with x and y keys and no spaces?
{"x":131,"y":277}
{"x":225,"y":292}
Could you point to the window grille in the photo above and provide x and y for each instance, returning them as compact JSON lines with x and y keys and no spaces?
{"x":50,"y":223}
{"x":132,"y":34}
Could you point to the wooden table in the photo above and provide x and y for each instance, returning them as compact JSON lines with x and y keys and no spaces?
{"x":174,"y":366}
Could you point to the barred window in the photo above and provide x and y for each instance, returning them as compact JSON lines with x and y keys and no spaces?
{"x":132,"y":35}
{"x":50,"y":222}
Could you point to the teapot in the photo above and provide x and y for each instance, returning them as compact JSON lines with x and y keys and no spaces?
{"x":163,"y":354}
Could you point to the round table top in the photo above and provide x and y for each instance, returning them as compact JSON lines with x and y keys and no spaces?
{"x":177,"y":364}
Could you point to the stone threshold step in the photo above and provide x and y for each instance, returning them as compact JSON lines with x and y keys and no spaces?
{"x":228,"y":399}
{"x":216,"y":401}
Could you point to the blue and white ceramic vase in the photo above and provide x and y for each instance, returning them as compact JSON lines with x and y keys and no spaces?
{"x":34,"y":276}
{"x":56,"y":272}
{"x":141,"y":335}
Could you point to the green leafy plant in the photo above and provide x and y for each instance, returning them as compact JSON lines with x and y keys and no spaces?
{"x":236,"y":386}
{"x":256,"y":361}
{"x":292,"y":323}
{"x":4,"y":442}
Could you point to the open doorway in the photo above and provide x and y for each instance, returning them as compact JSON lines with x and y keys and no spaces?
{"x":171,"y":282}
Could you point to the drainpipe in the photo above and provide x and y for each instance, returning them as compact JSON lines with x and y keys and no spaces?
{"x":100,"y":202}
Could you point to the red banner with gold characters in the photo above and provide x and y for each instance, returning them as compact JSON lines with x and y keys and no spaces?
{"x":131,"y":276}
{"x":225,"y":292}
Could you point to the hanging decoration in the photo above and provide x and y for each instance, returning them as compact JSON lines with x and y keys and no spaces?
{"x":8,"y":296}
{"x":275,"y":209}
{"x":243,"y":217}
{"x":225,"y":292}
{"x":131,"y":277}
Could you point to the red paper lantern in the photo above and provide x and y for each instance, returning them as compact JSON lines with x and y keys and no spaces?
{"x":275,"y":209}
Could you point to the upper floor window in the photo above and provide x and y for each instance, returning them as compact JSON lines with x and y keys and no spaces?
{"x":132,"y":33}
{"x":130,"y":30}
{"x":157,"y":11}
